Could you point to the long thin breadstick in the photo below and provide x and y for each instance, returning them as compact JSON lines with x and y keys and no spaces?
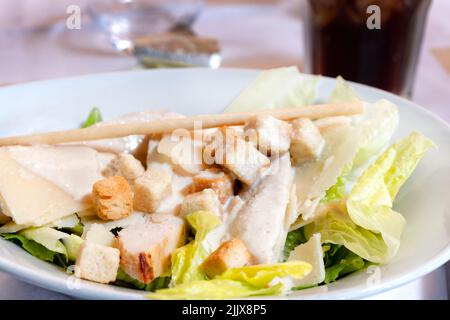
{"x":169,"y":125}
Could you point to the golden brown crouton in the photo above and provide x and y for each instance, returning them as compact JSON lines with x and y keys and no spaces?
{"x":230,"y":254}
{"x":150,"y":189}
{"x":112,"y":198}
{"x":273,"y":135}
{"x":215,"y":179}
{"x":125,"y":165}
{"x":306,"y":142}
{"x":206,"y":200}
{"x":97,"y":263}
{"x":239,"y":156}
{"x":145,"y":249}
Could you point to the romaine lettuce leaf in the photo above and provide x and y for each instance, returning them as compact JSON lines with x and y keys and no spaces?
{"x":276,"y":88}
{"x":125,"y":280}
{"x":261,"y":275}
{"x":36,"y":249}
{"x":294,"y":238}
{"x":377,"y":126}
{"x":237,"y":282}
{"x":186,"y":260}
{"x":366,"y":224}
{"x":213,"y":289}
{"x":339,"y":262}
{"x":343,"y":92}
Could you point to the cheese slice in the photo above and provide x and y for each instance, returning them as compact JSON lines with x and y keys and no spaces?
{"x":310,"y":252}
{"x":39,"y":184}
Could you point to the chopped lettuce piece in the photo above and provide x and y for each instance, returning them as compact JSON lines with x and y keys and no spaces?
{"x":36,"y":249}
{"x":294,"y":238}
{"x":343,"y":92}
{"x":337,"y":191}
{"x":376,"y":129}
{"x":48,"y":237}
{"x":262,"y":274}
{"x":70,"y":224}
{"x":213,"y":289}
{"x":237,"y":282}
{"x":339,"y":262}
{"x":366,"y":224}
{"x":93,"y":117}
{"x":125,"y":280}
{"x":186,"y":260}
{"x":72,"y":244}
{"x":276,"y":88}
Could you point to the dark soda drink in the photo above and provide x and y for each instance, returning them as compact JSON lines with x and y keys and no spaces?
{"x":372,"y":42}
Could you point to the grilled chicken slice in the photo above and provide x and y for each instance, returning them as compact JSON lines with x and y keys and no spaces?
{"x":260,"y":223}
{"x":145,"y":249}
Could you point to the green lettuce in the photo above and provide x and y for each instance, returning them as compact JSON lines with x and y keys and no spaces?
{"x":125,"y":280}
{"x":339,"y":262}
{"x":186,"y":260}
{"x":294,"y":238}
{"x":365,"y":223}
{"x":213,"y":289}
{"x":377,"y":126}
{"x":237,"y":282}
{"x":93,"y":117}
{"x":276,"y":88}
{"x":343,"y":92}
{"x":36,"y":249}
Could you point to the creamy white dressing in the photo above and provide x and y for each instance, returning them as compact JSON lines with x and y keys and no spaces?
{"x":263,"y":214}
{"x":314,"y":178}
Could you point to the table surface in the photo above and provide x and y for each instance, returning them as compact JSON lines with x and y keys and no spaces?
{"x":41,"y":51}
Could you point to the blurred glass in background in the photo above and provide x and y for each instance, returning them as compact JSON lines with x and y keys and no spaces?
{"x":339,"y":40}
{"x":124,"y":21}
{"x":158,"y":32}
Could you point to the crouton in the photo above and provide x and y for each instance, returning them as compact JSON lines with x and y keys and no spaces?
{"x":146,"y":249}
{"x":97,"y":263}
{"x":151,"y":188}
{"x":98,"y":234}
{"x":206,"y":200}
{"x":124,"y":165}
{"x":112,"y":198}
{"x":230,"y":254}
{"x":215,"y":179}
{"x":273,"y":135}
{"x":306,"y":142}
{"x":240,"y":157}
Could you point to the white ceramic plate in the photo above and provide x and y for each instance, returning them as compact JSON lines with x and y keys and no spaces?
{"x":63,"y":104}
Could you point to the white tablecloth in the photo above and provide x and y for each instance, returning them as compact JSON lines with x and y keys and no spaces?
{"x":252,"y":36}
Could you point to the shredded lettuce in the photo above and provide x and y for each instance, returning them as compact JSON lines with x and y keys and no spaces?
{"x":237,"y":282}
{"x":365,"y":223}
{"x":276,"y":88}
{"x":93,"y":117}
{"x":337,"y":191}
{"x":186,"y":260}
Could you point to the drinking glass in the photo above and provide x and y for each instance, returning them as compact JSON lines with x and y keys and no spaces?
{"x":375,"y":42}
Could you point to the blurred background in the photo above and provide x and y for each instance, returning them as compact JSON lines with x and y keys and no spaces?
{"x":402,"y":46}
{"x":409,"y":55}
